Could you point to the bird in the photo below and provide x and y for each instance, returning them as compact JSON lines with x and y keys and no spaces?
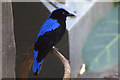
{"x":49,"y":35}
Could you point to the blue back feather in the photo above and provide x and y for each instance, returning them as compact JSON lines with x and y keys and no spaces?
{"x":49,"y":24}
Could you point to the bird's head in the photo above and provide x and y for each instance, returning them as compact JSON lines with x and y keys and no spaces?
{"x":60,"y":14}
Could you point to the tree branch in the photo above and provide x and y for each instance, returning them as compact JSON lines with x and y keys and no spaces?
{"x":67,"y":69}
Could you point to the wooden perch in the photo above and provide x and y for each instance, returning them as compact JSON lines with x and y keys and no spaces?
{"x":27,"y":64}
{"x":67,"y":69}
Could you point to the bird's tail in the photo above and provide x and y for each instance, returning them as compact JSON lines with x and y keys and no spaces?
{"x":37,"y":66}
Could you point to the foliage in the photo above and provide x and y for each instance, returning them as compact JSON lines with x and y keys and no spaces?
{"x":116,"y":2}
{"x":100,"y":50}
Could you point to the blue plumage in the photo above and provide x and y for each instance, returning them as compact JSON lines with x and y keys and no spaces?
{"x":36,"y":65}
{"x":49,"y":34}
{"x":50,"y":24}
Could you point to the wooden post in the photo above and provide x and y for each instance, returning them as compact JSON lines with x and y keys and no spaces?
{"x":8,"y":42}
{"x":0,"y":40}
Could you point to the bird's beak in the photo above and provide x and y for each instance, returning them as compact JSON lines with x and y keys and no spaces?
{"x":70,"y":14}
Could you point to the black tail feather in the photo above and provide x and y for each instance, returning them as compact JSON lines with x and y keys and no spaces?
{"x":36,"y":73}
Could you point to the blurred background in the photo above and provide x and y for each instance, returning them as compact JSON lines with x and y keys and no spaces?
{"x":91,"y":37}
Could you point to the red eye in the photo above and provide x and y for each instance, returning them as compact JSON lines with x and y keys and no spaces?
{"x":63,"y":12}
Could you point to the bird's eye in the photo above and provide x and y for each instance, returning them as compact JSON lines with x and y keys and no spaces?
{"x":63,"y":12}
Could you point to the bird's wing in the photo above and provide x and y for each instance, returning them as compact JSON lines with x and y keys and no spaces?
{"x":49,"y":25}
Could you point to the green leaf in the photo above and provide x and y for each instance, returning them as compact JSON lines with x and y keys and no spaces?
{"x":100,"y":50}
